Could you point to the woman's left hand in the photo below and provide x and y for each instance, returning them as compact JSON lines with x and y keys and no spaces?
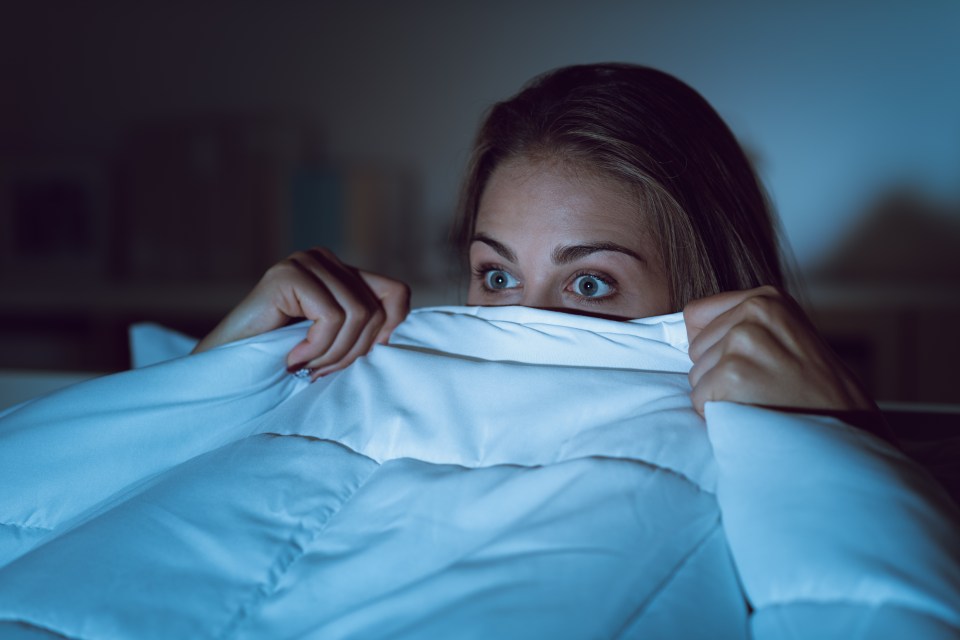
{"x":758,"y":347}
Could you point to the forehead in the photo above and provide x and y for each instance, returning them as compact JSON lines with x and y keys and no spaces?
{"x":549,"y":196}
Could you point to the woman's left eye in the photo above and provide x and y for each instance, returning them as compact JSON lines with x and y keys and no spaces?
{"x":498,"y":280}
{"x":588,"y":286}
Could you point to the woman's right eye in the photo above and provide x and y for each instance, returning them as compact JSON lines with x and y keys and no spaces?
{"x":497,"y":280}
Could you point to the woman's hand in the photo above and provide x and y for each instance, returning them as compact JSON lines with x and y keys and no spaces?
{"x":758,"y":347}
{"x":351,"y":310}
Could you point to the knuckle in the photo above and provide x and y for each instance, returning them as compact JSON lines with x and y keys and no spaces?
{"x":297,"y":256}
{"x":323,"y":251}
{"x":400,"y":287}
{"x":769,"y":290}
{"x":765,"y":309}
{"x":756,"y":306}
{"x":733,"y":372}
{"x":333,"y":315}
{"x":360,"y":314}
{"x":283,"y":270}
{"x":742,"y":337}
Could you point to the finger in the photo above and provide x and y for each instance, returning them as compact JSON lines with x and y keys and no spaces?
{"x":299,"y":288}
{"x":318,"y":305}
{"x":762,"y":306}
{"x":356,"y":333}
{"x":727,"y":380}
{"x":362,"y":346}
{"x":362,"y":315}
{"x":698,"y":314}
{"x":394,"y":297}
{"x":746,"y":340}
{"x":313,"y":291}
{"x":355,"y":309}
{"x":394,"y":304}
{"x":344,"y":281}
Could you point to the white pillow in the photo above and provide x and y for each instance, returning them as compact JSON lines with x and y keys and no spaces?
{"x":834,"y":532}
{"x":151,"y":343}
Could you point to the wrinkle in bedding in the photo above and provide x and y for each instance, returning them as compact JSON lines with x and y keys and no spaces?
{"x":502,"y":472}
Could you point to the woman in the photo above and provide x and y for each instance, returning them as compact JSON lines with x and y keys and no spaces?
{"x":457,"y":486}
{"x":606,"y":189}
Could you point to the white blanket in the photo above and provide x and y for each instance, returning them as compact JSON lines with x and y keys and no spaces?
{"x":493,"y":472}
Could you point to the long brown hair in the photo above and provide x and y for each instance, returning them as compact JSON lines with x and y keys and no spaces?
{"x":696,"y":188}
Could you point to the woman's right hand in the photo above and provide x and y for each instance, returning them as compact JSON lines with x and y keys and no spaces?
{"x":351,"y":310}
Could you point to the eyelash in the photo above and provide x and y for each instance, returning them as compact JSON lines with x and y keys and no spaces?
{"x":480,"y":271}
{"x":607,"y":280}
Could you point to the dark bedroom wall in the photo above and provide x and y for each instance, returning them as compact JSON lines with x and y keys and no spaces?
{"x":837,"y":103}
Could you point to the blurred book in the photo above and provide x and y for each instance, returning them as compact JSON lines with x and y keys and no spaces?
{"x":224,"y":198}
{"x":361,"y":212}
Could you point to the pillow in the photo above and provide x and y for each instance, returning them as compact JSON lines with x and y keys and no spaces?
{"x":151,"y":343}
{"x":832,"y":528}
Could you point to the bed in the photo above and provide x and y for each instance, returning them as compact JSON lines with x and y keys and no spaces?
{"x":493,"y":472}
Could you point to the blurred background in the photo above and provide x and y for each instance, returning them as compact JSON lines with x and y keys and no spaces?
{"x":156,"y":157}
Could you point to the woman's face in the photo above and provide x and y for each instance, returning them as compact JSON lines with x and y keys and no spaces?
{"x":553,"y":237}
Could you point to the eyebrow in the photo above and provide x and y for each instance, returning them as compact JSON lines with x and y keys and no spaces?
{"x":561,"y":255}
{"x":499,"y":247}
{"x":572,"y":253}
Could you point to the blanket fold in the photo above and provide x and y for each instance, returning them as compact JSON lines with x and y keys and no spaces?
{"x":503,"y":472}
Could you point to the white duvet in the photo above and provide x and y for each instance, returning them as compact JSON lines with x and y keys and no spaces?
{"x":493,"y":472}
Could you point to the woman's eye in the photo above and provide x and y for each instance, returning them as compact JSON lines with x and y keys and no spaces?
{"x":588,"y":286}
{"x":495,"y":280}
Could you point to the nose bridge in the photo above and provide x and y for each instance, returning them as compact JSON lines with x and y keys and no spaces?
{"x":540,"y":294}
